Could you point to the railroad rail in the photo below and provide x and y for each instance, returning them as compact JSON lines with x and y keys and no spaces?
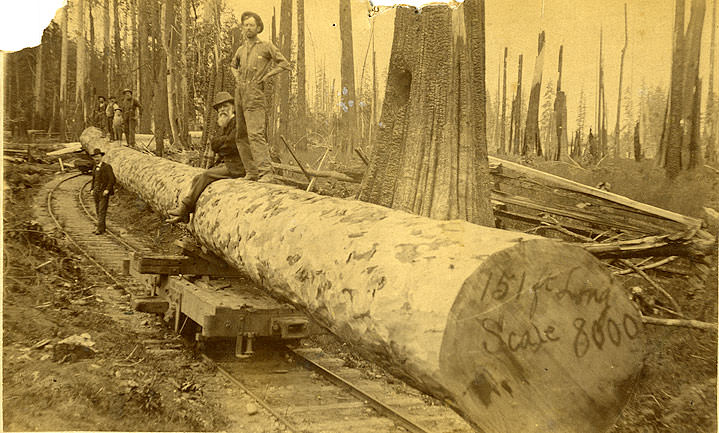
{"x":310,"y":390}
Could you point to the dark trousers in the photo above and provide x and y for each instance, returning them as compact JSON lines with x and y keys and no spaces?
{"x":101,"y":202}
{"x":226,"y":170}
{"x":130,"y":131}
{"x":110,"y":130}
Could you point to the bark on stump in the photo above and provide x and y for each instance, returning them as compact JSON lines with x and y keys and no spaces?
{"x":515,"y":332}
{"x":430,"y":156}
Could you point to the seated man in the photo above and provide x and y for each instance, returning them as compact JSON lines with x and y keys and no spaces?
{"x":225,"y":150}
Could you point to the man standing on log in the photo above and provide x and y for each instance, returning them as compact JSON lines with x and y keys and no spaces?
{"x":103,"y":186}
{"x":225,"y":146}
{"x":254,"y":62}
{"x":128,"y":105}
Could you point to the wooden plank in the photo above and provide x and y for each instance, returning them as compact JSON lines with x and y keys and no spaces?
{"x":596,"y":192}
{"x":181,"y":265}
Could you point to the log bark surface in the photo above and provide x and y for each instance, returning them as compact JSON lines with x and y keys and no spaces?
{"x":515,"y":332}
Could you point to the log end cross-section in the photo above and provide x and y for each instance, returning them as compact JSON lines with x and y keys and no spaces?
{"x":518,"y":333}
{"x":540,"y":338}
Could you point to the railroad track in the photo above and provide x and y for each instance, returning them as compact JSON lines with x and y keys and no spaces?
{"x":304,"y":388}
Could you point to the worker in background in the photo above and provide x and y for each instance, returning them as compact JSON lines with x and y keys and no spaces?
{"x":103,"y":186}
{"x":227,"y":165}
{"x":98,"y":118}
{"x":129,"y":107}
{"x":109,"y":115}
{"x":253,"y":64}
{"x":118,"y":122}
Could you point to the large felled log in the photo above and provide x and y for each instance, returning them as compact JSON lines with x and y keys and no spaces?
{"x":517,"y":333}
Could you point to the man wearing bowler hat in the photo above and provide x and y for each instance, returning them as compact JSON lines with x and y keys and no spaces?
{"x":228,"y":164}
{"x":103,"y":186}
{"x":128,"y":104}
{"x":254,"y":62}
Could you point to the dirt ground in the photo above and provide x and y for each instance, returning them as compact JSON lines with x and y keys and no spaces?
{"x":139,"y":376}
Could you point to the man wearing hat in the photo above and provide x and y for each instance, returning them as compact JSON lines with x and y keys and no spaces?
{"x":128,"y":104}
{"x":228,"y":164}
{"x":103,"y":186}
{"x":254,"y":62}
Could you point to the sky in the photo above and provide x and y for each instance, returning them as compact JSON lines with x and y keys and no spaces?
{"x":512,"y":23}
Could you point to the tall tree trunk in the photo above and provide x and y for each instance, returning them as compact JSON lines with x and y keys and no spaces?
{"x":692,"y":50}
{"x":674,"y":135}
{"x":375,"y":97}
{"x":502,"y":137}
{"x":133,"y":7}
{"x":63,"y":73}
{"x":145,"y":65}
{"x":38,"y":95}
{"x":531,"y":129}
{"x":301,"y":100}
{"x":207,"y":153}
{"x":497,"y":144}
{"x":81,"y":66}
{"x":712,"y":111}
{"x":185,"y":102}
{"x":159,"y":100}
{"x":106,"y":48}
{"x":347,"y":81}
{"x":430,"y":157}
{"x":560,"y":112}
{"x":695,"y":149}
{"x":169,"y":39}
{"x":617,"y":125}
{"x":637,"y":144}
{"x":118,"y":49}
{"x":285,"y":79}
{"x":515,"y":130}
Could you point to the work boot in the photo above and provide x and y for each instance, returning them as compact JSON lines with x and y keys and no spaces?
{"x":266,"y":178}
{"x":250,"y":177}
{"x":179,"y":214}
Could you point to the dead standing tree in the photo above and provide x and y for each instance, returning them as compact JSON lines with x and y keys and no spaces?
{"x":560,"y":113}
{"x":621,"y":76}
{"x":531,"y":130}
{"x":515,"y":122}
{"x":677,"y":139}
{"x":63,"y":73}
{"x":301,"y":98}
{"x":430,"y":157}
{"x":502,"y":137}
{"x":348,"y":122}
{"x":711,"y":123}
{"x":285,"y":79}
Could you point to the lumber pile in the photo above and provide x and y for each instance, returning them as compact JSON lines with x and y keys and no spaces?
{"x":514,"y":331}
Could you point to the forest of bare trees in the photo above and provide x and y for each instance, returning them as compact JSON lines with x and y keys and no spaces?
{"x":677,"y":135}
{"x":174,"y":55}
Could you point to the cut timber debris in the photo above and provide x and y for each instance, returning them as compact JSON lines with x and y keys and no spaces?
{"x":679,"y":322}
{"x":514,"y":331}
{"x":69,"y":148}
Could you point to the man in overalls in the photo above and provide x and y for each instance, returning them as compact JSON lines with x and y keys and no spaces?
{"x":254,"y":62}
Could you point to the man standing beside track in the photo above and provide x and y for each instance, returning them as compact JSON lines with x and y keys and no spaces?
{"x":103,"y":186}
{"x":254,"y":62}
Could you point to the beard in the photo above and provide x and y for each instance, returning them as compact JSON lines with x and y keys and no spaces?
{"x":223,"y":119}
